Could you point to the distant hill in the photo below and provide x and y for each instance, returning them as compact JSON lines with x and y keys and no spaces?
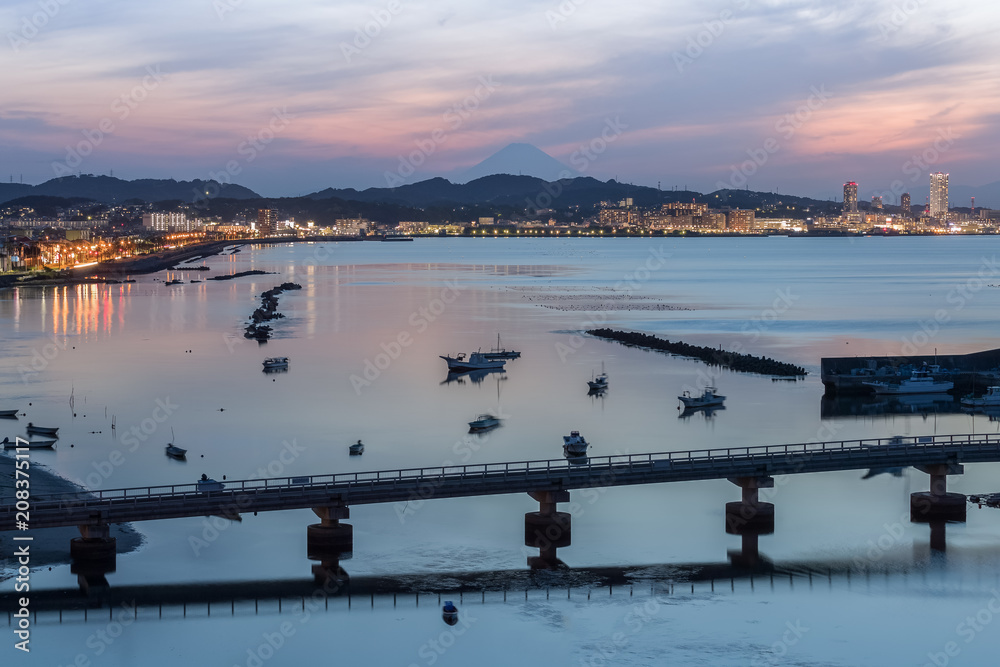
{"x":110,"y":190}
{"x":519,"y":160}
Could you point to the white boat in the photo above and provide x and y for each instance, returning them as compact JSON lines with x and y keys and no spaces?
{"x":484,"y":422}
{"x":206,"y":484}
{"x":28,"y":444}
{"x":990,"y":398}
{"x":176,"y":452}
{"x":599,"y":383}
{"x":272,"y":363}
{"x":920,"y":382}
{"x":476,"y":361}
{"x":42,"y":430}
{"x":574,"y":444}
{"x":357,"y":448}
{"x":501,"y":353}
{"x":708,"y":398}
{"x":449,"y":612}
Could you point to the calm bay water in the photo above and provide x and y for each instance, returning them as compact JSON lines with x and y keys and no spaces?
{"x":363,"y":337}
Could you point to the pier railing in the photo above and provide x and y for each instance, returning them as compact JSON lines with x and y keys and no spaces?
{"x":835,"y":455}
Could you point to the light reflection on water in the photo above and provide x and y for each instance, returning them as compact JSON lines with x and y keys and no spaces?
{"x":120,"y":348}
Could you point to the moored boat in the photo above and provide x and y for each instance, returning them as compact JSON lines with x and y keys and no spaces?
{"x":484,"y":422}
{"x":8,"y":414}
{"x":175,"y":452}
{"x":42,"y":430}
{"x":574,"y":444}
{"x":27,"y":444}
{"x":920,"y":382}
{"x":206,"y":484}
{"x":990,"y":398}
{"x":708,"y":398}
{"x":357,"y":448}
{"x":501,"y":353}
{"x":275,"y":363}
{"x":599,"y":383}
{"x":474,"y":362}
{"x":449,"y":612}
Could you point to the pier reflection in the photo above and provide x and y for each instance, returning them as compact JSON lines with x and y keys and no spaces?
{"x":867,"y":405}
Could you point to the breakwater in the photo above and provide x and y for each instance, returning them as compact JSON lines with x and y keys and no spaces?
{"x":267,"y":311}
{"x":742,"y":363}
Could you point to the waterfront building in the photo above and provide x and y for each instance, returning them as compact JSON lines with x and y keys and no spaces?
{"x":850,"y":197}
{"x":939,"y":196}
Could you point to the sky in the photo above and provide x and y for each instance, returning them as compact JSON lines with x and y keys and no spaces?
{"x":293,"y":97}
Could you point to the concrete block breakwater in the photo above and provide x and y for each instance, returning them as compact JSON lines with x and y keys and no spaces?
{"x":743,"y":363}
{"x":268,"y":311}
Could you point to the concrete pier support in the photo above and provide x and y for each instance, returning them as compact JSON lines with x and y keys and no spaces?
{"x":749,"y":515}
{"x":547,"y":529}
{"x":94,"y":556}
{"x":937,"y":504}
{"x":330,"y":542}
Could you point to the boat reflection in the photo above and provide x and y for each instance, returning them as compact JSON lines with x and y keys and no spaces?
{"x":476,"y":376}
{"x":708,"y":411}
{"x":833,"y":407}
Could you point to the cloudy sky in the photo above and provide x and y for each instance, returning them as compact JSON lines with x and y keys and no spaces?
{"x":288,"y":98}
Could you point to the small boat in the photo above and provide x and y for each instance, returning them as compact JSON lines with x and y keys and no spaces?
{"x":42,"y":430}
{"x":206,"y":484}
{"x":708,"y":398}
{"x":357,"y":448}
{"x":990,"y":398}
{"x":475,"y":362}
{"x":501,"y":353}
{"x":484,"y":422}
{"x":574,"y":444}
{"x":28,"y":444}
{"x":176,"y":452}
{"x":920,"y":382}
{"x":174,"y":282}
{"x":8,"y":414}
{"x":449,"y":612}
{"x":396,"y":237}
{"x":599,"y":383}
{"x":273,"y":363}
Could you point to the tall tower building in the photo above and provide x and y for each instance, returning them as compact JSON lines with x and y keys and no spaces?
{"x":877,"y":201}
{"x":904,"y":203}
{"x":267,"y":221}
{"x":939,"y":195}
{"x":850,"y":197}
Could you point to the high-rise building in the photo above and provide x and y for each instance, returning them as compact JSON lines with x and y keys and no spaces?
{"x":939,"y":195}
{"x":904,"y":203}
{"x":877,"y":201}
{"x":850,"y":197}
{"x":267,"y":221}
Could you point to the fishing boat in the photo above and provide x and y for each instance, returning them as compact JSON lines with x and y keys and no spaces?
{"x":28,"y":444}
{"x":275,"y":363}
{"x":990,"y":398}
{"x":42,"y":430}
{"x":207,"y":484}
{"x":484,"y":422}
{"x":176,"y":452}
{"x":357,"y":448}
{"x":574,"y":444}
{"x":920,"y":382}
{"x":8,"y":414}
{"x":475,"y":361}
{"x":599,"y":383}
{"x":449,"y":612}
{"x":501,"y":353}
{"x":708,"y":398}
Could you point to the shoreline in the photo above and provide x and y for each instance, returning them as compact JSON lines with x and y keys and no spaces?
{"x":50,"y":546}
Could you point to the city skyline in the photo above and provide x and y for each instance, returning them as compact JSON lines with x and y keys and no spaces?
{"x":334,"y":105}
